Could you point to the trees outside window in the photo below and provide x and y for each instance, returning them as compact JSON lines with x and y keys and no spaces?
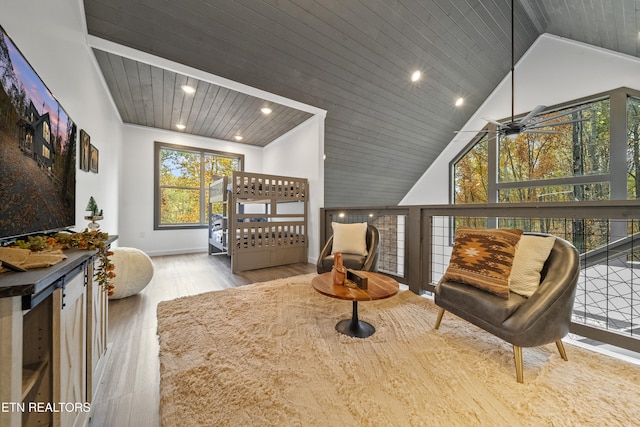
{"x":471,"y":174}
{"x":633,"y":159}
{"x":572,"y":163}
{"x":183,"y":176}
{"x":577,"y":162}
{"x":576,"y":149}
{"x":633,"y":148}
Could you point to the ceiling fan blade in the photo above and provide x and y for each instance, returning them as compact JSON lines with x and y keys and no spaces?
{"x":500,"y":125}
{"x":474,"y":131}
{"x":566,"y":122}
{"x":532,"y":114}
{"x":539,"y":131}
{"x":555,"y":116}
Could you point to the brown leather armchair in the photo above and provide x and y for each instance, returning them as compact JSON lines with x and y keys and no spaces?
{"x":540,"y":319}
{"x":367,"y":262}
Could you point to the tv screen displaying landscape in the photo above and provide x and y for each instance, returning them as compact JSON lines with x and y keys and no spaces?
{"x":37,"y":150}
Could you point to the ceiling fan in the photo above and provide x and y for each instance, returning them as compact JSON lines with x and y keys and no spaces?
{"x":529,"y":123}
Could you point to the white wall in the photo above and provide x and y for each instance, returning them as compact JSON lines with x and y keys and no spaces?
{"x":136,"y":202}
{"x":52,"y":36}
{"x":300,"y":153}
{"x":553,"y":71}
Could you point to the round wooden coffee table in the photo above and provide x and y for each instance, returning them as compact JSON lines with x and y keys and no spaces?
{"x":379,"y":287}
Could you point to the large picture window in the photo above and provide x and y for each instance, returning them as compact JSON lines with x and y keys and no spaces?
{"x":575,"y":149}
{"x":182,"y":177}
{"x":568,"y":162}
{"x":594,"y":156}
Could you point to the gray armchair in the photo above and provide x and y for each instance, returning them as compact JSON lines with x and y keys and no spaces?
{"x":367,"y":262}
{"x":541,"y":319}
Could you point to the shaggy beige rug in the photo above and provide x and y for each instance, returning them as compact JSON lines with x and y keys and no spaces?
{"x":268,"y":355}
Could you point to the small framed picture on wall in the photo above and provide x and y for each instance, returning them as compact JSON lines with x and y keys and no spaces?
{"x":85,"y":143}
{"x":93,"y":159}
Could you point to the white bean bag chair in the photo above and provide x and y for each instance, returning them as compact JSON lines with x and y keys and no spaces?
{"x":133,"y":269}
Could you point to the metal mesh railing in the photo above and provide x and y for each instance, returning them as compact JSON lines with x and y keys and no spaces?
{"x":391,"y":257}
{"x":608,"y":291}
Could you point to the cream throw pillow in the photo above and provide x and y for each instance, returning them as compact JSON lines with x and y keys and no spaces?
{"x":531,"y":254}
{"x":349,"y":238}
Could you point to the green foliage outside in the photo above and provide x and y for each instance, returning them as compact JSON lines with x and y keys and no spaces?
{"x":578,"y":149}
{"x":471,"y":175}
{"x":574,"y":150}
{"x":633,"y":148}
{"x":185,"y":177}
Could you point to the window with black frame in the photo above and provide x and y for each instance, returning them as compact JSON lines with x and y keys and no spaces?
{"x":579,"y":157}
{"x":182,"y":178}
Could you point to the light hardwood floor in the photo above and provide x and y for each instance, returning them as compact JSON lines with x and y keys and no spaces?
{"x":129,"y":389}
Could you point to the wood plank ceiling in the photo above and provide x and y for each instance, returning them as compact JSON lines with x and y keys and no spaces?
{"x":150,"y":96}
{"x":352,"y":58}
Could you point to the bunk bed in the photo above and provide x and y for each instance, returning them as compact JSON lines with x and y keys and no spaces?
{"x":263,"y":222}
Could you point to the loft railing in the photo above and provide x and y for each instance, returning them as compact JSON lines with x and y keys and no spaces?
{"x":416,"y":246}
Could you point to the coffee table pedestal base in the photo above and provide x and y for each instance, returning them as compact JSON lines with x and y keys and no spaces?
{"x":354,"y":327}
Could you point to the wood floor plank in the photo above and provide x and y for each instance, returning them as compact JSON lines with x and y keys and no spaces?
{"x":129,"y":392}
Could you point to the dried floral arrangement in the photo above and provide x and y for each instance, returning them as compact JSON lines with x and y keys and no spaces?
{"x":86,"y":239}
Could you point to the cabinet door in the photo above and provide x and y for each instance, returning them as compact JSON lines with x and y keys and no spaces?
{"x":97,"y":319}
{"x":69,"y":350}
{"x":10,"y":358}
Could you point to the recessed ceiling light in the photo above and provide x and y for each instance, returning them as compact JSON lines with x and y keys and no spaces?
{"x":188,"y":89}
{"x":266,"y":110}
{"x":238,"y":137}
{"x":416,"y":75}
{"x":459,"y":101}
{"x":181,"y":126}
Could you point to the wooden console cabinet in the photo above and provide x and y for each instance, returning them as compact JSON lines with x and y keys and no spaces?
{"x":53,"y":343}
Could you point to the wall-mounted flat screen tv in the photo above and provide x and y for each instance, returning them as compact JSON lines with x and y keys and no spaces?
{"x":37,"y":151}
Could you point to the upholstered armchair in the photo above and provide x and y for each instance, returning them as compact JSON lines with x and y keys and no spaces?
{"x":541,"y":318}
{"x":357,"y":259}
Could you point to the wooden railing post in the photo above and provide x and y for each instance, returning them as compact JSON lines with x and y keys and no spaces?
{"x":414,"y":265}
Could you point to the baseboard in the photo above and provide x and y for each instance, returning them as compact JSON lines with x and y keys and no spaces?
{"x":177,"y":252}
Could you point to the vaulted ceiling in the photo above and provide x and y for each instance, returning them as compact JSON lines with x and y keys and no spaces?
{"x":351,"y":58}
